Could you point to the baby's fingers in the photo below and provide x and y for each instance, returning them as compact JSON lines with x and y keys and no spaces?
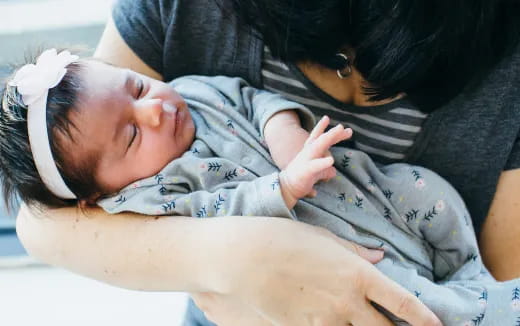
{"x":319,"y":165}
{"x":312,"y":194}
{"x":322,"y":144}
{"x":328,"y":174}
{"x":318,"y":129}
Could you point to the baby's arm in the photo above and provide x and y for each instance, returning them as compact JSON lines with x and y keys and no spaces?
{"x":283,"y":124}
{"x":270,"y":195}
{"x":261,"y":196}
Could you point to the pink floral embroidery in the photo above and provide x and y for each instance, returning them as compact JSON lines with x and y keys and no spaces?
{"x":440,"y":205}
{"x":420,"y":184}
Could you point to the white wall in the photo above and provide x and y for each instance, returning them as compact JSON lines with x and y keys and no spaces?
{"x":40,"y":295}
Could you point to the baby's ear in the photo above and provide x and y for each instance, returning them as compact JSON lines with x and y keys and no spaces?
{"x":90,"y":202}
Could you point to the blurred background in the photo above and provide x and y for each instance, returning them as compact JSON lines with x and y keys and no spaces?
{"x":31,"y":292}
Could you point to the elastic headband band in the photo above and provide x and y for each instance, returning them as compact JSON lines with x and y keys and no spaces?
{"x":33,"y":83}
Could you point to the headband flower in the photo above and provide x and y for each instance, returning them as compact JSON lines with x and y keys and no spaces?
{"x":34,"y":81}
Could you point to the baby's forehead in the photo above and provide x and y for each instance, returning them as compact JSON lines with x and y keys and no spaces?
{"x":102,"y":90}
{"x":99,"y":79}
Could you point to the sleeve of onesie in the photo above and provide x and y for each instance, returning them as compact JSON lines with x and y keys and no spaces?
{"x":259,"y":197}
{"x":264,"y":104}
{"x":256,"y":105}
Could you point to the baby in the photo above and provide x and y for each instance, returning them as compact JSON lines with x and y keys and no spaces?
{"x":82,"y":131}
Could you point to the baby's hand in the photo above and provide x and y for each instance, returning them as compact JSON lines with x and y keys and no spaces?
{"x":313,"y":163}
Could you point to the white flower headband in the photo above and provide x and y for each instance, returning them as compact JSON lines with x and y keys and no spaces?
{"x":33,"y":83}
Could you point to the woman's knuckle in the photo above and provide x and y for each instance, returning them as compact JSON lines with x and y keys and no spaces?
{"x":405,"y":305}
{"x":355,"y":248}
{"x":204,"y":306}
{"x":339,"y":306}
{"x":344,"y":306}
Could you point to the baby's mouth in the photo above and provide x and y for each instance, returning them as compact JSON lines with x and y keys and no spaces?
{"x":174,"y":112}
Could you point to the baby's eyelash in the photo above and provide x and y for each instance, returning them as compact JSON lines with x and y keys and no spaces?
{"x":140,"y":87}
{"x":134,"y":134}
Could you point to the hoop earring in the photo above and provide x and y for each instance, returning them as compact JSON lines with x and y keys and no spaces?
{"x":346,"y":71}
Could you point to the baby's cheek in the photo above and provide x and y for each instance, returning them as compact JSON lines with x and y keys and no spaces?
{"x":153,"y":155}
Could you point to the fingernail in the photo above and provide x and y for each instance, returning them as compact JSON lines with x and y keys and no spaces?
{"x":170,"y":108}
{"x":372,"y":255}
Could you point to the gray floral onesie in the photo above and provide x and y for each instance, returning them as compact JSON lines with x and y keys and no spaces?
{"x":416,"y":216}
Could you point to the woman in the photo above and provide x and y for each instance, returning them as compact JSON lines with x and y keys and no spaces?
{"x":418,"y":81}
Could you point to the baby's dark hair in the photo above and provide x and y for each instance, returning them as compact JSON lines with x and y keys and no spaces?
{"x":18,"y":174}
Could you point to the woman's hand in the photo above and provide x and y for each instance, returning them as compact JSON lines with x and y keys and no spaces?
{"x":304,"y":275}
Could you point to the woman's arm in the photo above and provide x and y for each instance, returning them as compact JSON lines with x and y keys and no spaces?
{"x":500,"y":237}
{"x":128,"y":250}
{"x":262,"y":262}
{"x":113,"y":49}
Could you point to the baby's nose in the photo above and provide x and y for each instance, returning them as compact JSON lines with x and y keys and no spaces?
{"x":149,"y":112}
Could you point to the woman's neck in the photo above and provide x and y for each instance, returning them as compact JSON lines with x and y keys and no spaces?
{"x":347,"y":90}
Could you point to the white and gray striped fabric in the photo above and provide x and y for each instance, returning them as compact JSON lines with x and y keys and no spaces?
{"x":385,"y":132}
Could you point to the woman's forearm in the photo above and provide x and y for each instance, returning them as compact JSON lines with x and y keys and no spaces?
{"x":284,"y":270}
{"x":140,"y":252}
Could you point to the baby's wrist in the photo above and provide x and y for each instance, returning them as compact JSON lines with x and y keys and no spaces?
{"x":287,"y":193}
{"x":284,"y":139}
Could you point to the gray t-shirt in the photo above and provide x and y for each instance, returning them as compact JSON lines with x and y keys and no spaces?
{"x":468,"y":141}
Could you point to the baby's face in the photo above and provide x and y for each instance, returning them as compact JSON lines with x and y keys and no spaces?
{"x":134,"y":124}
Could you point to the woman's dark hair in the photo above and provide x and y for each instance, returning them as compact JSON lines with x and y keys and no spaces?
{"x":428,"y":49}
{"x":18,"y":173}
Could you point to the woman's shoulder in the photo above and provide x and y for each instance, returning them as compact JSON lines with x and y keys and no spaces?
{"x":135,"y":16}
{"x":494,"y":92}
{"x":186,"y":37}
